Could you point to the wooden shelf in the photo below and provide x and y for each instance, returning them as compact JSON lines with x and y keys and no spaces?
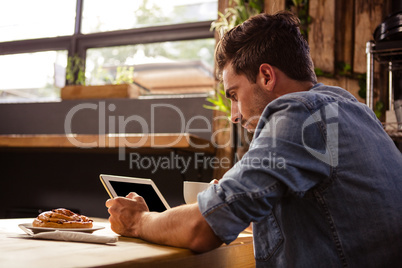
{"x":141,"y":142}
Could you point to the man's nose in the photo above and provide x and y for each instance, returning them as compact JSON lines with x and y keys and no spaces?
{"x":235,"y":116}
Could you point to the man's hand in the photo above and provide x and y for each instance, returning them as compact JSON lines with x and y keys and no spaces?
{"x":126,"y":213}
{"x":181,"y":226}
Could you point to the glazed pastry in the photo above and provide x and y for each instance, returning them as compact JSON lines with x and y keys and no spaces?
{"x":62,"y":218}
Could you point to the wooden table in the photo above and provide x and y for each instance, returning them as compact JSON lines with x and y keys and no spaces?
{"x":17,"y":250}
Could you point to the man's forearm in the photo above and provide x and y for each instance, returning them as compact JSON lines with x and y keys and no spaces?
{"x":182,"y":226}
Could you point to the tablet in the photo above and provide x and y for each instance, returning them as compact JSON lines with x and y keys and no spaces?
{"x":122,"y":186}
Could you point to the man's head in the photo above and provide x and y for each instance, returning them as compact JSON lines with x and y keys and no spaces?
{"x":260,"y":60}
{"x":273,"y":39}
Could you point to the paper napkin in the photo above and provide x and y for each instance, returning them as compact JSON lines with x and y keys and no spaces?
{"x":76,"y":237}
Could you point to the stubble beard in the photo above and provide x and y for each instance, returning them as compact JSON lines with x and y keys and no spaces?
{"x":261,"y":98}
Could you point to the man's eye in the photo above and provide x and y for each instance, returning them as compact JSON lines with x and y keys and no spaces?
{"x":233,"y":97}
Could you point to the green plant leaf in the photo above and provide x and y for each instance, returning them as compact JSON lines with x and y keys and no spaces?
{"x":236,"y":15}
{"x":75,"y":73}
{"x":362,"y":86}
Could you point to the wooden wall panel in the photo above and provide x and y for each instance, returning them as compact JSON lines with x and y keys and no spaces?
{"x":222,"y":5}
{"x":348,"y":83}
{"x":344,"y":33}
{"x":321,"y":36}
{"x":273,"y":6}
{"x":368,"y":15}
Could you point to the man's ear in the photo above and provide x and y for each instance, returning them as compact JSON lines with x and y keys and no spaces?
{"x":267,"y":76}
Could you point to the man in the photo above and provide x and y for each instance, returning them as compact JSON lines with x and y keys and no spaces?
{"x":321,"y":183}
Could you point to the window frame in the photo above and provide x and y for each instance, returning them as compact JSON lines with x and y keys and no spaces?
{"x":78,"y":43}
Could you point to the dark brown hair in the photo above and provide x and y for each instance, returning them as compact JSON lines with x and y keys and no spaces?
{"x":273,"y":39}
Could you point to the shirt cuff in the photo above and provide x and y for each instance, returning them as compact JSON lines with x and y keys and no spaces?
{"x":219,"y":216}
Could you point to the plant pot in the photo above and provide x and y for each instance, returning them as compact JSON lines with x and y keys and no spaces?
{"x":73,"y":92}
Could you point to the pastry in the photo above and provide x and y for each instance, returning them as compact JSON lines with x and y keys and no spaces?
{"x":62,"y":218}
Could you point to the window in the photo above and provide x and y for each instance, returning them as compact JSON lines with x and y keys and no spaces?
{"x":49,"y":19}
{"x":33,"y":76}
{"x":179,"y":66}
{"x":141,"y":35}
{"x":104,"y":15}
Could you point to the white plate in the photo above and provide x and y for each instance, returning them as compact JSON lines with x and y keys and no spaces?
{"x":36,"y":230}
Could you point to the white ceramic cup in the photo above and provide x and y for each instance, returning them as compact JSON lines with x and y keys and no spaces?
{"x":191,"y":190}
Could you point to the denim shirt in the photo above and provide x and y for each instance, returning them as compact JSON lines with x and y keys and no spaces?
{"x":321,"y":185}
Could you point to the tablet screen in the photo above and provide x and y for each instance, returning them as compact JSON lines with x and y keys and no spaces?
{"x":145,"y":190}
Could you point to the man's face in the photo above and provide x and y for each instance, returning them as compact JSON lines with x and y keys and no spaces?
{"x":248,"y":99}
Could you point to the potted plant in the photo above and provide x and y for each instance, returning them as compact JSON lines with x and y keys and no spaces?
{"x":76,"y":87}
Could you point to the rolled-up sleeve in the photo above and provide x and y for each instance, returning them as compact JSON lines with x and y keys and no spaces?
{"x":219,"y":216}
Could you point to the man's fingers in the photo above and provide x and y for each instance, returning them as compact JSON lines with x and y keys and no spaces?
{"x":109,"y":203}
{"x":119,"y":200}
{"x":132,"y":195}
